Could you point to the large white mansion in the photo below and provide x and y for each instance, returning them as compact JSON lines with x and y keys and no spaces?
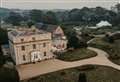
{"x":32,"y":44}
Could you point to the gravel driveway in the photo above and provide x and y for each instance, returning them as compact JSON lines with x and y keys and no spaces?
{"x":33,"y":70}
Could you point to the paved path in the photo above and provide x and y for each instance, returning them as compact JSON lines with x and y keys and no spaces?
{"x":33,"y":70}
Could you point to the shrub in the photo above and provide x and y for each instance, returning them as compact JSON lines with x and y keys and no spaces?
{"x":63,"y":73}
{"x":8,"y":75}
{"x":82,"y":77}
{"x":86,"y":67}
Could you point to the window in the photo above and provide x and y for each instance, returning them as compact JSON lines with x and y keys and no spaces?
{"x":33,"y":38}
{"x":44,"y":53}
{"x":24,"y":57}
{"x":23,"y":47}
{"x":44,"y":44}
{"x":22,"y":40}
{"x":63,"y":45}
{"x":34,"y":46}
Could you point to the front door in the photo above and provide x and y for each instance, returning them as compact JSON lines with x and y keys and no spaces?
{"x":36,"y":56}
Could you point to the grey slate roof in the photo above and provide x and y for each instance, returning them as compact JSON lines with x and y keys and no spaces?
{"x":46,"y":27}
{"x":27,"y":32}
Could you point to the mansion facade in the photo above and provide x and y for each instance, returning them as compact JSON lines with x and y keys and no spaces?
{"x":29,"y":45}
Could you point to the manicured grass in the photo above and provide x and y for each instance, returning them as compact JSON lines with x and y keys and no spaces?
{"x":77,"y":54}
{"x":102,"y":30}
{"x":113,"y":49}
{"x":8,"y":74}
{"x":93,"y":74}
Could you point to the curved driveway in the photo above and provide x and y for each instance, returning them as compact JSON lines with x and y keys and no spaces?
{"x":33,"y":70}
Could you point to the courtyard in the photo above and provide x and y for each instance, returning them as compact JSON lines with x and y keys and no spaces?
{"x":93,"y":73}
{"x":44,"y":67}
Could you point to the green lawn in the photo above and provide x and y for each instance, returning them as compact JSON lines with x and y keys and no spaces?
{"x":77,"y":54}
{"x":113,"y":49}
{"x":8,"y":74}
{"x":93,"y":74}
{"x":102,"y":30}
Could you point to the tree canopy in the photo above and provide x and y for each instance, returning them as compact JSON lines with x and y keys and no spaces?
{"x":14,"y":18}
{"x":83,"y":16}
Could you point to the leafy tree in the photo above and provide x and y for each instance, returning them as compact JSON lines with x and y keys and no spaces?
{"x":8,"y":75}
{"x":111,"y":39}
{"x":84,"y":16}
{"x":90,"y":16}
{"x":36,"y":15}
{"x":3,"y":36}
{"x":82,"y":77}
{"x":14,"y":18}
{"x":117,"y":6}
{"x":75,"y":15}
{"x":0,"y":49}
{"x":30,"y":23}
{"x":2,"y":60}
{"x":50,"y":18}
{"x":116,"y":20}
{"x":74,"y":40}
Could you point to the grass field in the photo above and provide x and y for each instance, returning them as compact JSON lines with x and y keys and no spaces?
{"x":93,"y":74}
{"x":77,"y":54}
{"x":113,"y":49}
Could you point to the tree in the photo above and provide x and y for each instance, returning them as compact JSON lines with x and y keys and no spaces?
{"x":116,"y":20}
{"x":30,"y":23}
{"x":73,"y":41}
{"x":82,"y":77}
{"x":0,"y":49}
{"x":117,"y":6}
{"x":14,"y":18}
{"x":108,"y":38}
{"x":50,"y":18}
{"x":3,"y":36}
{"x":75,"y":15}
{"x":36,"y":15}
{"x":2,"y":60}
{"x":8,"y":75}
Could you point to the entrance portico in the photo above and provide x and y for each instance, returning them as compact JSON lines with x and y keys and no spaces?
{"x":36,"y":56}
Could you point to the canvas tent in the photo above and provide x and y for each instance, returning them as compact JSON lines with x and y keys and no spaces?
{"x":103,"y":23}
